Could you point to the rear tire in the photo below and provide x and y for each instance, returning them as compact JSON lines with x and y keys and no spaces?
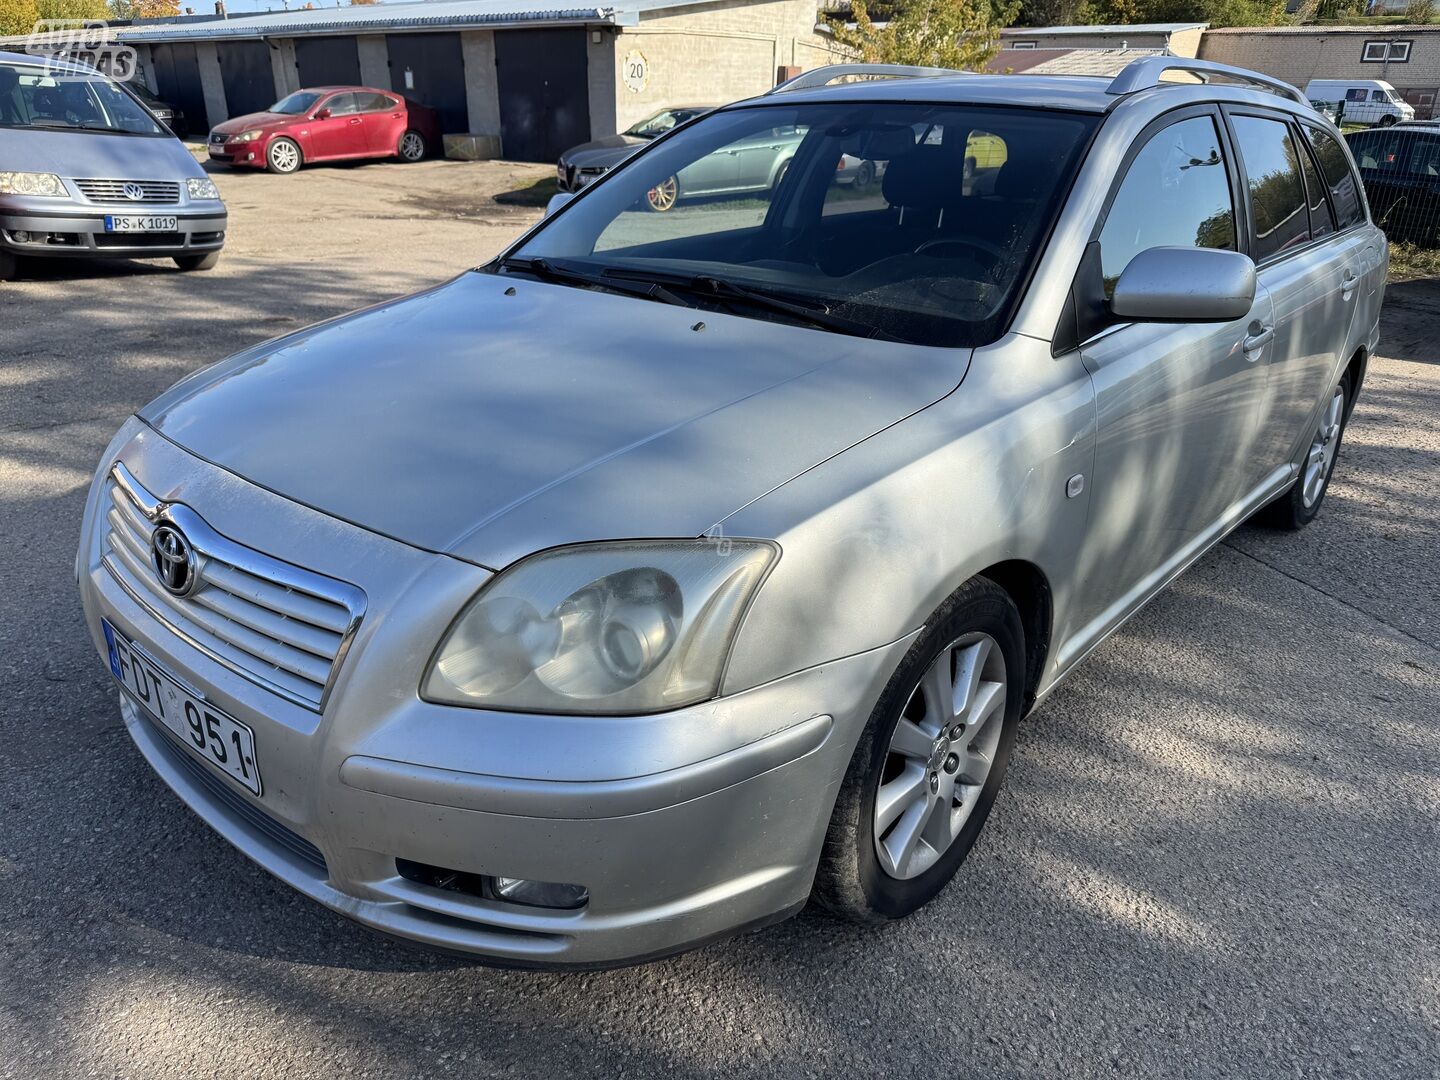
{"x":664,"y":195}
{"x":190,"y":263}
{"x":412,"y":147}
{"x":1387,"y":121}
{"x":976,"y":644}
{"x":1300,"y":505}
{"x":284,"y":156}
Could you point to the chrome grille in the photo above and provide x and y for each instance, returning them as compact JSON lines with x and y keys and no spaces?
{"x":113,"y":191}
{"x":276,"y":624}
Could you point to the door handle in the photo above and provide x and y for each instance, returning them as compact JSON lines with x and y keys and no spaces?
{"x":1348,"y":283}
{"x":1257,"y":341}
{"x":356,"y":120}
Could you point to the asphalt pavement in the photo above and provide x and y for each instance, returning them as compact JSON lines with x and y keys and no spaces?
{"x":1216,"y":855}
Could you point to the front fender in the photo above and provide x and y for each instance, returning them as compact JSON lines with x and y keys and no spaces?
{"x":875,"y":538}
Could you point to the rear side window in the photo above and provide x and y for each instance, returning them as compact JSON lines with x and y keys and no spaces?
{"x":1277,"y":197}
{"x":374,"y":102}
{"x":1340,"y":177}
{"x":1176,"y":193}
{"x":1320,"y":224}
{"x":1425,"y":157}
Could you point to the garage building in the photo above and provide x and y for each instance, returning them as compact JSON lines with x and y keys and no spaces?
{"x":526,"y":78}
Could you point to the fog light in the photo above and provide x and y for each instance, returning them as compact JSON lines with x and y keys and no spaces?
{"x":540,"y":893}
{"x":21,"y":237}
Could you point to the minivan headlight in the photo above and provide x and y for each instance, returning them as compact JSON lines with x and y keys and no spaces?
{"x":601,"y":629}
{"x":31,"y":183}
{"x":202,"y":187}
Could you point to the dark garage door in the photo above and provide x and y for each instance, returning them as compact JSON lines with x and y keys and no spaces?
{"x":544,"y":92}
{"x":430,"y":69}
{"x":328,"y":61}
{"x":249,"y":80}
{"x":177,"y":80}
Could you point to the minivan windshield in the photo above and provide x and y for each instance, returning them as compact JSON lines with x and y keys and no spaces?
{"x":296,"y":103}
{"x":37,"y":96}
{"x":901,"y":220}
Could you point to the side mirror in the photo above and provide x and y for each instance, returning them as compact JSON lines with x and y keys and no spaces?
{"x":559,"y":199}
{"x":323,"y":114}
{"x":1185,"y":284}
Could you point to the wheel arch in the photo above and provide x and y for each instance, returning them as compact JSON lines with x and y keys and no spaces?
{"x":1029,"y":589}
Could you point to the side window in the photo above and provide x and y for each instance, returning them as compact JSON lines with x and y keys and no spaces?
{"x":341,"y":105}
{"x":372,"y":102}
{"x":1344,"y":188}
{"x":1380,"y":96}
{"x":1175,"y":194}
{"x":1425,"y":157}
{"x":1358,"y":94}
{"x":1277,"y":197}
{"x":1320,"y":223}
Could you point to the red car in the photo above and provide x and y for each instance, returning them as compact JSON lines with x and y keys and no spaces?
{"x":327,"y":123}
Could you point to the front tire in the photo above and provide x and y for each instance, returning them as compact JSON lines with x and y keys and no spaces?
{"x":190,"y":263}
{"x":284,"y":156}
{"x":412,"y":147}
{"x":929,"y":763}
{"x":1301,"y":504}
{"x":1387,"y":121}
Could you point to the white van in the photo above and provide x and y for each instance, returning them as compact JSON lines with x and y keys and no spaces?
{"x":1364,"y":101}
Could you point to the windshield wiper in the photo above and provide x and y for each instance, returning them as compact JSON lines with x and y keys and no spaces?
{"x":722,"y":289}
{"x":546,"y":270}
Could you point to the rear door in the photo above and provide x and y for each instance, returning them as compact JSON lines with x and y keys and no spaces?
{"x":340,"y":134}
{"x":1310,"y":269}
{"x":382,"y":118}
{"x":1176,"y":402}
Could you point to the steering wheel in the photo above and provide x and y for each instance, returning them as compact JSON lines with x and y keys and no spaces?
{"x":996,"y":253}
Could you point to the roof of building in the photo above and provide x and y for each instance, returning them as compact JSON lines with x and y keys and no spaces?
{"x":416,"y":15}
{"x":1380,"y":30}
{"x":1107,"y":62}
{"x":1081,"y":31}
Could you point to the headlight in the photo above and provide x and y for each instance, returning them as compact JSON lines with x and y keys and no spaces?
{"x":249,"y":136}
{"x":615,"y":628}
{"x":202,"y":187}
{"x":31,"y":183}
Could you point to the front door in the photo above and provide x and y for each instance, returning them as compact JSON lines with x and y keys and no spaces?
{"x":340,"y":134}
{"x":1176,"y":402}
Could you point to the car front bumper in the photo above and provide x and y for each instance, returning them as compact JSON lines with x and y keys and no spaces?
{"x":244,"y":154}
{"x":683,"y":827}
{"x":79,"y":232}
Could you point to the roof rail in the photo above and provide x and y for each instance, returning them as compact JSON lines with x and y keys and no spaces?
{"x":822,"y":76}
{"x":1144,"y":73}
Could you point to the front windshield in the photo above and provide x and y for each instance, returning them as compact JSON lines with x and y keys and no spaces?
{"x":662,"y":122}
{"x":296,"y":103}
{"x":37,"y":97}
{"x":909,"y":221}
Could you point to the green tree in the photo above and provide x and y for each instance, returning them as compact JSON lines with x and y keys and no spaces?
{"x":73,"y":10}
{"x":18,"y":16}
{"x":933,"y":33}
{"x":1420,"y":11}
{"x":1215,"y":12}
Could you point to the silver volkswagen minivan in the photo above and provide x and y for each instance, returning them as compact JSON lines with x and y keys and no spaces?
{"x":87,"y":172}
{"x":674,"y":569}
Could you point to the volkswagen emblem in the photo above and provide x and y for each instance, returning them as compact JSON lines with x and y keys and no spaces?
{"x":174,"y":560}
{"x":133,"y":192}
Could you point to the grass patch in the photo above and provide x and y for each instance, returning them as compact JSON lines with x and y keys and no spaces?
{"x":536,"y":193}
{"x":1410,"y":261}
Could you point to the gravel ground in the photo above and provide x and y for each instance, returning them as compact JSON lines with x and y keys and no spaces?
{"x":1215,"y":856}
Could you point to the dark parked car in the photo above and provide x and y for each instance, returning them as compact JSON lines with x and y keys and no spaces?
{"x":162,"y":110}
{"x":1400,"y":168}
{"x":581,"y":164}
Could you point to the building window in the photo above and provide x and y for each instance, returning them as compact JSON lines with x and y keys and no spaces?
{"x":1382,"y":52}
{"x":1022,"y":45}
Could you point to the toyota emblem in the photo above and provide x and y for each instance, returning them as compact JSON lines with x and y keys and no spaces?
{"x":133,"y":192}
{"x":174,"y":560}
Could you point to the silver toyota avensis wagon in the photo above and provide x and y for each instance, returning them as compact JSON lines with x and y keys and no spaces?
{"x":674,"y":569}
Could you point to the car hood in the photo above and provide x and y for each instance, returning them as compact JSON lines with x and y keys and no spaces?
{"x":88,"y":153}
{"x":608,"y":151}
{"x":266,"y":120}
{"x":489,"y":426}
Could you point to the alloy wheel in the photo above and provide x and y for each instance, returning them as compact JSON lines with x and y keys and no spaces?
{"x":285,"y":157}
{"x":412,"y":146}
{"x":1321,"y":458}
{"x":663,"y":195}
{"x":940,"y":755}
